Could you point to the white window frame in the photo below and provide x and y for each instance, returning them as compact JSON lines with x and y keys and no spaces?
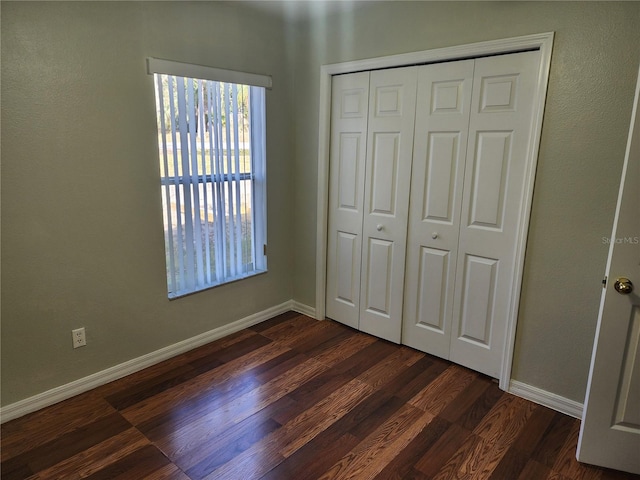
{"x":258,"y":174}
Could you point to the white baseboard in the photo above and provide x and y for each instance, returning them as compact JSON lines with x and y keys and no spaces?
{"x":63,"y":392}
{"x":547,"y":399}
{"x":303,"y":309}
{"x":57,"y":394}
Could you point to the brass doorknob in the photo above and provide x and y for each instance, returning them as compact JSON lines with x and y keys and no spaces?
{"x":623,"y":285}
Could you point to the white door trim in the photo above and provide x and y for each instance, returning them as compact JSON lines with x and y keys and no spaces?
{"x":543,"y":42}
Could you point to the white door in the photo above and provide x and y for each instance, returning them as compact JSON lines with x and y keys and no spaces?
{"x":498,"y":153}
{"x":349,"y":111}
{"x":392,"y":96}
{"x":610,"y":431}
{"x":439,"y":155}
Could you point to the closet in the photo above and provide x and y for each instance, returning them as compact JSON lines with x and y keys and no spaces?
{"x":426,"y":187}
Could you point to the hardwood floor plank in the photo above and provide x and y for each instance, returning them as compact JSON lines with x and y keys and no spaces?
{"x":381,"y":446}
{"x":333,"y":442}
{"x":307,"y":464}
{"x":267,"y":324}
{"x":174,"y":398}
{"x":318,"y":418}
{"x":439,"y":393}
{"x":466,"y":399}
{"x":311,"y":392}
{"x":476,"y":412}
{"x":342,"y":333}
{"x":168,"y":472}
{"x":553,"y":440}
{"x":297,"y":399}
{"x":181,"y":440}
{"x":519,"y":452}
{"x":235,"y":441}
{"x":142,"y":463}
{"x":363,"y":358}
{"x":67,"y":444}
{"x":537,"y":425}
{"x":450,"y":442}
{"x":213,"y":452}
{"x":291,"y":330}
{"x":566,"y":463}
{"x":459,"y":461}
{"x":336,"y":352}
{"x":16,"y":471}
{"x":168,"y":365}
{"x":415,"y":475}
{"x":534,"y":470}
{"x":402,"y":466}
{"x":335,"y":377}
{"x":608,"y":474}
{"x":95,"y":458}
{"x":229,"y":352}
{"x":168,"y":422}
{"x":391,"y":366}
{"x":375,"y":418}
{"x":496,"y":441}
{"x":44,"y":426}
{"x":433,"y":370}
{"x":499,"y":417}
{"x":318,"y":334}
{"x":146,"y":389}
{"x":292,"y":436}
{"x":510,"y":466}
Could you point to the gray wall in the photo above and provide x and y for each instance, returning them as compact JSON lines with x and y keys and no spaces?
{"x":82,"y":234}
{"x":82,"y":241}
{"x":592,"y":80}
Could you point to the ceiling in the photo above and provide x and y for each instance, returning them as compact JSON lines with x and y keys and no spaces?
{"x":300,"y":9}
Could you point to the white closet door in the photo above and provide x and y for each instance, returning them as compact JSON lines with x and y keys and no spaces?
{"x":389,"y":150}
{"x":439,"y":152}
{"x":349,"y":110}
{"x":498,"y":146}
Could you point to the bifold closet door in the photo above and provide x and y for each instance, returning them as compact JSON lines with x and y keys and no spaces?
{"x":498,"y":153}
{"x":392,"y":103}
{"x":440,"y":146}
{"x":349,"y":112}
{"x":439,"y":189}
{"x":471,"y":151}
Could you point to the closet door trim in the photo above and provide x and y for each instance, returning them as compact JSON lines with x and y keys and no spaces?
{"x":542,"y":42}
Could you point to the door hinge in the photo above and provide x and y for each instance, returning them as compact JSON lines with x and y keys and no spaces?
{"x":604,"y":282}
{"x":264,"y":249}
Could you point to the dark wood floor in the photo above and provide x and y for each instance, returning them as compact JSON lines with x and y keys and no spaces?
{"x":293,"y":398}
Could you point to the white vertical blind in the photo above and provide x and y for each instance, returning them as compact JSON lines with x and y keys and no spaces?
{"x":211,"y":141}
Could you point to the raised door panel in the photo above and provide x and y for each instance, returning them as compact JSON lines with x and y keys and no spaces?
{"x":626,"y":410}
{"x":478,"y":300}
{"x":491,"y":164}
{"x":349,"y":113}
{"x":498,"y":152}
{"x":439,"y":156}
{"x":389,"y":146}
{"x":385,"y":160}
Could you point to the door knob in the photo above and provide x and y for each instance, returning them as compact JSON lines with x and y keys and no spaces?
{"x":379,"y":227}
{"x":623,"y":286}
{"x":434,"y":235}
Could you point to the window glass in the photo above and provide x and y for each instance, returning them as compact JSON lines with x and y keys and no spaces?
{"x":211,"y":138}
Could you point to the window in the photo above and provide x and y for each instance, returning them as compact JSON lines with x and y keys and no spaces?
{"x":211,"y":140}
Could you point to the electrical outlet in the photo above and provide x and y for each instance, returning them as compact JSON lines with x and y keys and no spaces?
{"x":78,"y":336}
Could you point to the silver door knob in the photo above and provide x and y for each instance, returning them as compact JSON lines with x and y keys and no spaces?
{"x":434,"y":235}
{"x":379,"y":227}
{"x":623,"y":286}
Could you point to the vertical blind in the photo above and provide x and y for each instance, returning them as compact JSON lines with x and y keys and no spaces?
{"x":211,"y":142}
